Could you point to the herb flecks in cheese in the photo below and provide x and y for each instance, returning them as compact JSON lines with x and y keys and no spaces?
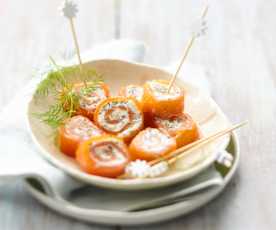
{"x":81,"y":127}
{"x":160,"y":91}
{"x":108,"y":152}
{"x":120,"y":117}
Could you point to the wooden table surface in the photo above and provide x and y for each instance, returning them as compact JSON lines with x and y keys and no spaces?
{"x":238,"y":53}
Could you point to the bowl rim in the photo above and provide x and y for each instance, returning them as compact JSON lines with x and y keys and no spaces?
{"x":126,"y":184}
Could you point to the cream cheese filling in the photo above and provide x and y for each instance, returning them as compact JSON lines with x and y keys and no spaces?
{"x":81,"y":127}
{"x":155,"y":141}
{"x":108,"y":154}
{"x":160,"y":91}
{"x":124,"y":118}
{"x":91,"y":101}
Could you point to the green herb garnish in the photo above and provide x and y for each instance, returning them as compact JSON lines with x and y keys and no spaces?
{"x":54,"y":116}
{"x":66,"y":101}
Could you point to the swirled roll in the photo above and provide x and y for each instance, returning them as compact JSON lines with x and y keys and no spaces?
{"x":158,"y":101}
{"x":119,"y":116}
{"x":75,"y":130}
{"x":150,"y":144}
{"x":105,"y":156}
{"x":89,"y":102}
{"x":182,"y":128}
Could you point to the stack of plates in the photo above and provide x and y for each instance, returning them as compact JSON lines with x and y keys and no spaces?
{"x":141,"y":201}
{"x":109,"y":207}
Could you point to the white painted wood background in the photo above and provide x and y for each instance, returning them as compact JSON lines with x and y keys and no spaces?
{"x":239,"y":54}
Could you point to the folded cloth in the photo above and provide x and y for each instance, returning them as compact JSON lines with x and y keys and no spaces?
{"x":19,"y":158}
{"x":102,"y":199}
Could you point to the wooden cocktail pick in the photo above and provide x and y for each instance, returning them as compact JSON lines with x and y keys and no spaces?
{"x":69,"y":10}
{"x":143,"y":169}
{"x":185,"y":150}
{"x":196,"y":33}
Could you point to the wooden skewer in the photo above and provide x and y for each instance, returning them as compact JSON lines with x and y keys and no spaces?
{"x":186,"y":52}
{"x":180,"y":155}
{"x":185,"y":150}
{"x":76,"y":43}
{"x":173,"y":156}
{"x":205,"y":11}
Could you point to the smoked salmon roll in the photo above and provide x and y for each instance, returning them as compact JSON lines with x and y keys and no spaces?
{"x":150,"y":144}
{"x":182,"y":128}
{"x":133,"y":91}
{"x":119,"y":116}
{"x":137,"y":92}
{"x":75,"y":130}
{"x":105,"y":156}
{"x":89,"y":101}
{"x":158,"y":101}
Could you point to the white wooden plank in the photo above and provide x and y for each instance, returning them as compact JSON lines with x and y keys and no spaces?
{"x":238,"y":53}
{"x":162,"y":25}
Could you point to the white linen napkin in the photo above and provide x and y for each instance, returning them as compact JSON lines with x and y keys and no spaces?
{"x":18,"y":158}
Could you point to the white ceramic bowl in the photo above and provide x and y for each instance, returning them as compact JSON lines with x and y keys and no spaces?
{"x":119,"y":73}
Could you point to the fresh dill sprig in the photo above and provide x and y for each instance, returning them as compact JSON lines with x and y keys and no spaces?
{"x":54,"y":81}
{"x":92,"y":75}
{"x":89,"y":87}
{"x":66,"y":97}
{"x":87,"y":90}
{"x":69,"y":101}
{"x":92,"y":80}
{"x":65,"y":107}
{"x":54,"y":116}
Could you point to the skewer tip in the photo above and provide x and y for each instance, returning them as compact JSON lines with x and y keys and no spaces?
{"x":241,"y":124}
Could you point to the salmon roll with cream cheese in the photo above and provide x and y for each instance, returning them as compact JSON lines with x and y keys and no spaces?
{"x":150,"y":144}
{"x":182,"y":128}
{"x":120,"y":116}
{"x":160,"y":102}
{"x":105,"y":156}
{"x":75,"y":130}
{"x":89,"y":100}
